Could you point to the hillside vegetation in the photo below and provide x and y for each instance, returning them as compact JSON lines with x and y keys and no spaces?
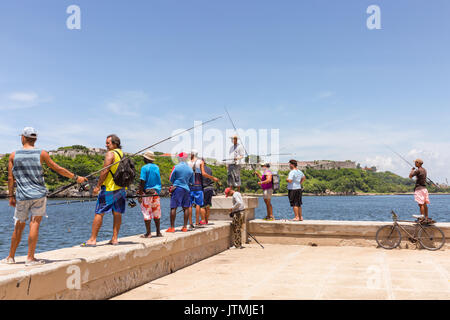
{"x":340,"y":181}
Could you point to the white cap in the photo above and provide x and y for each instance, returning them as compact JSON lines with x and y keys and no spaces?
{"x":194,"y":152}
{"x":29,"y":132}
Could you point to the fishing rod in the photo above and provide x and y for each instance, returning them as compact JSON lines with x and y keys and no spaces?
{"x":406,"y":161}
{"x":255,"y":239}
{"x":242,"y":143}
{"x":67,"y":202}
{"x":266,"y":155}
{"x":132,"y":155}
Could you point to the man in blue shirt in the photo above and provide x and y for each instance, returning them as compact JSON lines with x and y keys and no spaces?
{"x":295,"y":180}
{"x":182,"y":177}
{"x":149,"y":189}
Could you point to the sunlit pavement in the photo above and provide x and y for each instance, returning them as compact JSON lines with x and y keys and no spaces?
{"x":305,"y":272}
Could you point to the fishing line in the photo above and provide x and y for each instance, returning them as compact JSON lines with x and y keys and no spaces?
{"x":406,"y":161}
{"x":132,"y":155}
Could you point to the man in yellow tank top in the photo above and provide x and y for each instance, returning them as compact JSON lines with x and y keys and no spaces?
{"x":111,"y":197}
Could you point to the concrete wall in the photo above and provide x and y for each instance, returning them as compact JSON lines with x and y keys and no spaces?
{"x":106,"y":271}
{"x":330,"y":233}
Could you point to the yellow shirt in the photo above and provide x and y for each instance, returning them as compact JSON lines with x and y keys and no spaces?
{"x":109,"y":181}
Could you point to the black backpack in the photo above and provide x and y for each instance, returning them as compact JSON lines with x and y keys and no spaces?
{"x":125,"y":172}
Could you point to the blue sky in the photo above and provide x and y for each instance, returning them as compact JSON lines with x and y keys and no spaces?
{"x":334,"y":88}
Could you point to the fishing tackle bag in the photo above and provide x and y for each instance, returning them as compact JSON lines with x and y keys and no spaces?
{"x":125,"y":172}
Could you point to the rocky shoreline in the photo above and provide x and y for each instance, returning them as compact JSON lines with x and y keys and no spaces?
{"x":75,"y":193}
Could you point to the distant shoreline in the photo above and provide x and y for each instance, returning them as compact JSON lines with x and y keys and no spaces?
{"x":343,"y":195}
{"x":4,"y":197}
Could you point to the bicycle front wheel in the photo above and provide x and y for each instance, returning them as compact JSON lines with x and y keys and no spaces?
{"x":388,"y":237}
{"x":431,"y":237}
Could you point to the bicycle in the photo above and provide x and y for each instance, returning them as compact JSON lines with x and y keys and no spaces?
{"x":427,"y":235}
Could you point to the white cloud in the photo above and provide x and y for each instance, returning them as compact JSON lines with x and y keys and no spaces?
{"x":23,"y":96}
{"x":128,"y":103}
{"x":325,"y":94}
{"x":21,"y":100}
{"x":366,"y":144}
{"x":383,"y":163}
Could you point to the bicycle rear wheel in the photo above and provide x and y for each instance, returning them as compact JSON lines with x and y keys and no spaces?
{"x":388,"y":237}
{"x":431,"y":237}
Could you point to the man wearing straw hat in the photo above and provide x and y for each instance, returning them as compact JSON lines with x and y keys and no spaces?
{"x":149,"y":189}
{"x":420,"y":190}
{"x":236,"y":156}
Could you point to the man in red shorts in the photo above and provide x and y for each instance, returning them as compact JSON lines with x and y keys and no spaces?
{"x":149,"y":189}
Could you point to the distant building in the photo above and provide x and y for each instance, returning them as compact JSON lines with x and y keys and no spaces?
{"x":316,"y":164}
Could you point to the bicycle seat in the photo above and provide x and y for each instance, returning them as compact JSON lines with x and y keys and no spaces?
{"x":417,"y":216}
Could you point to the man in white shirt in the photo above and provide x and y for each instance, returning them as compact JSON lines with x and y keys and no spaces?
{"x":295,"y":191}
{"x":236,"y":156}
{"x":236,"y":212}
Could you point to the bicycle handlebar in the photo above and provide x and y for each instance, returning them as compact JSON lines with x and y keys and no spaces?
{"x":394,"y":215}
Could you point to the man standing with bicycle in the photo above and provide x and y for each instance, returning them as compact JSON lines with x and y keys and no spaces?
{"x":420,"y":190}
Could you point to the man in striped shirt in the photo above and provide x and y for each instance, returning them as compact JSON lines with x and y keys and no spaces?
{"x":25,"y":170}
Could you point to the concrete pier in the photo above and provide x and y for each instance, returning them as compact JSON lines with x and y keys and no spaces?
{"x":330,"y":233}
{"x":304,"y":272}
{"x":106,"y":271}
{"x":309,"y":259}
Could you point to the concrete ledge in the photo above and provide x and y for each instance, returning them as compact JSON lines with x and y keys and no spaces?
{"x":326,"y":232}
{"x":220,"y":209}
{"x":106,"y":271}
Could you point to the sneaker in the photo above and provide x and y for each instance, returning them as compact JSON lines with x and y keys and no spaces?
{"x":170,"y":230}
{"x":184,"y":229}
{"x":203,"y":222}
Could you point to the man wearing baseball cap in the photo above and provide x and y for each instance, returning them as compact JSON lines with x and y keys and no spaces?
{"x":420,"y":190}
{"x":30,"y":199}
{"x":150,"y":188}
{"x":181,"y":178}
{"x":236,"y":212}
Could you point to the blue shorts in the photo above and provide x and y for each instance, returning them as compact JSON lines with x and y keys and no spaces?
{"x":111,"y":201}
{"x":196,"y":198}
{"x":180,"y":198}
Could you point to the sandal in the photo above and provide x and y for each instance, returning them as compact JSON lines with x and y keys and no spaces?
{"x":86,"y":245}
{"x":34,"y":263}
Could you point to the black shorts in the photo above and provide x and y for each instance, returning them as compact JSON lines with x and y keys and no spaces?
{"x":207,"y":197}
{"x":295,"y":197}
